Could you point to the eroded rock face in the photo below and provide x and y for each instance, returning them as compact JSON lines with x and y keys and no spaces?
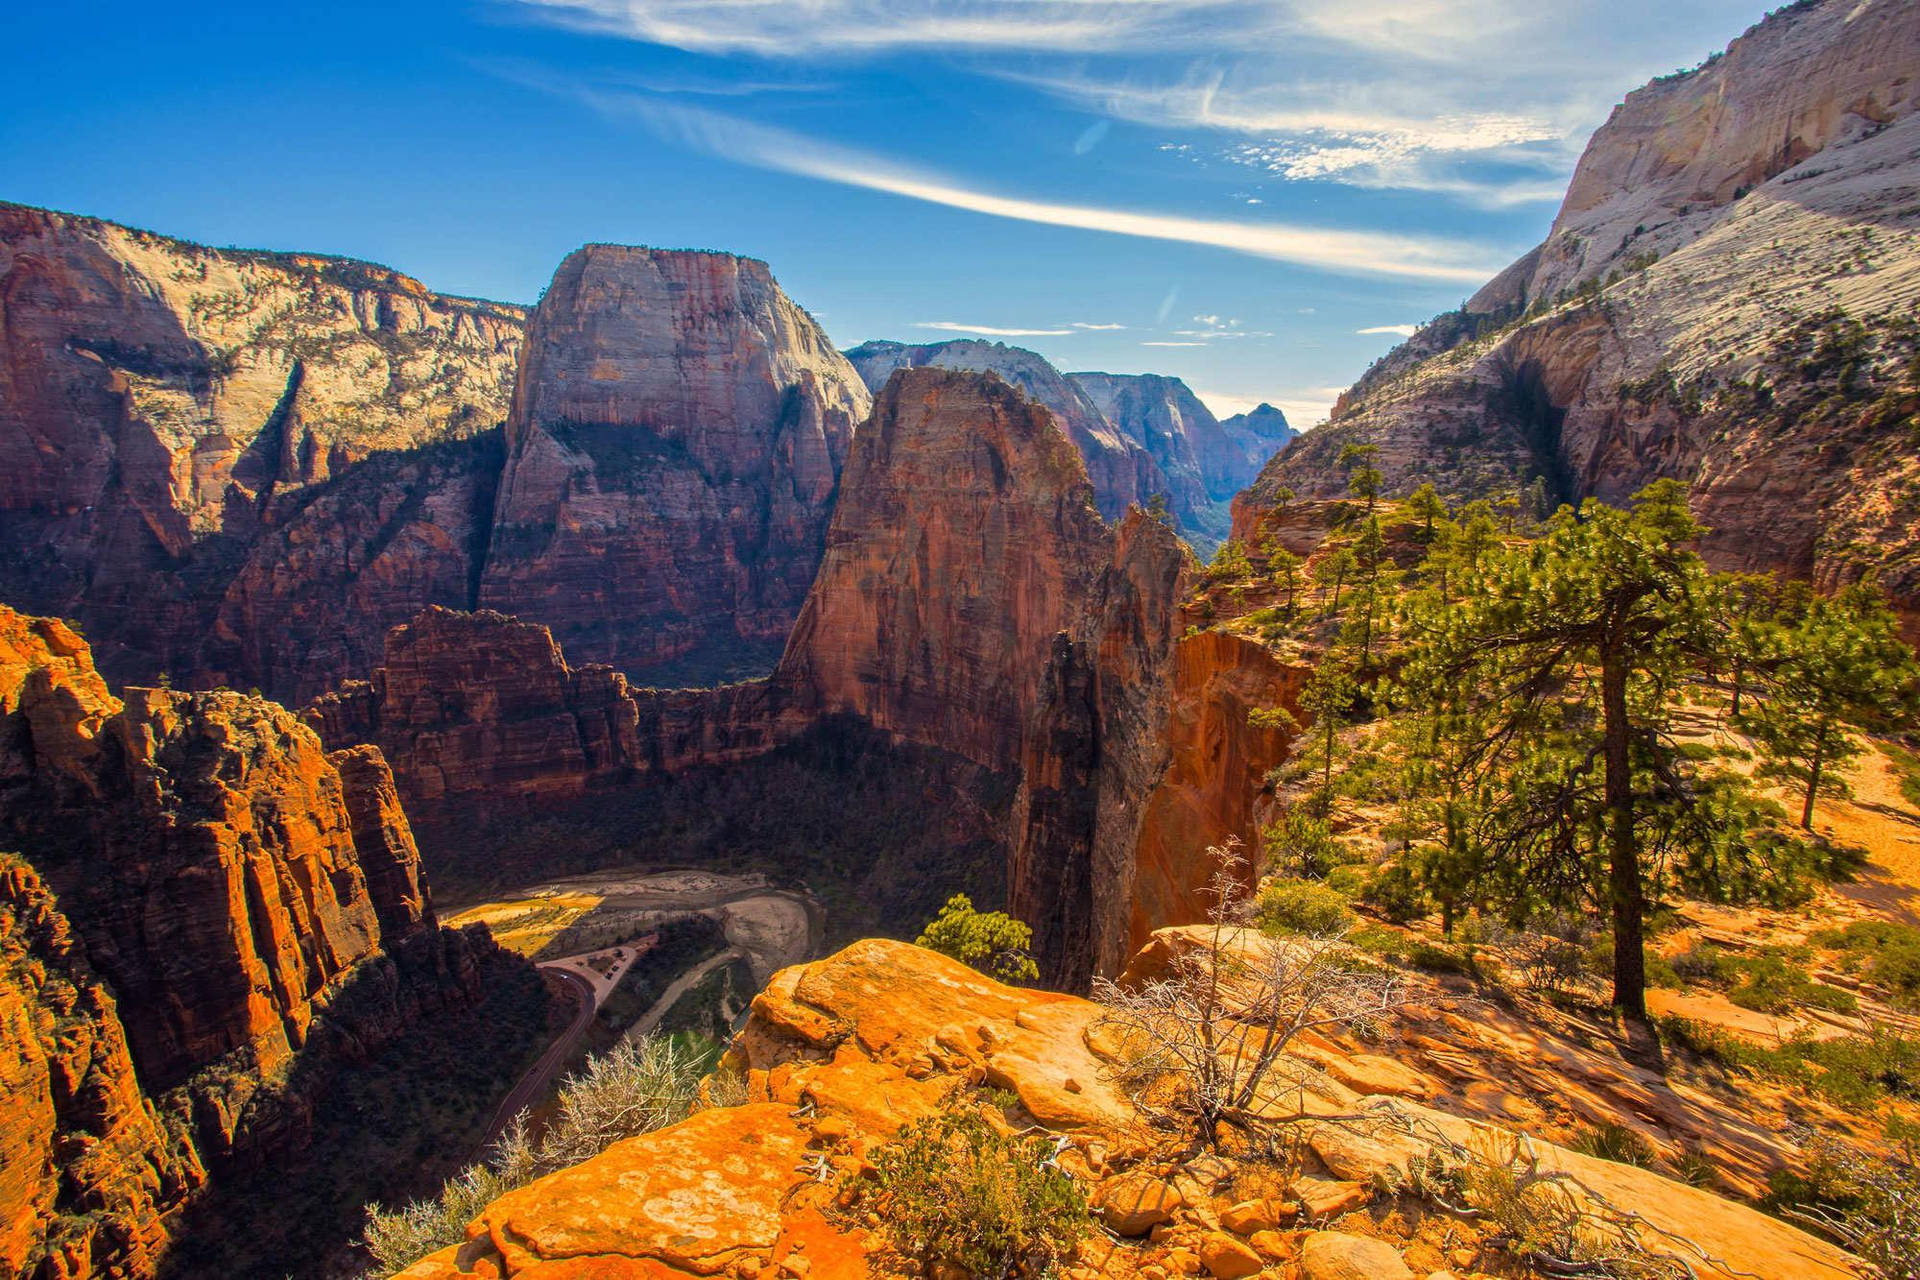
{"x":1725,"y":300}
{"x":1260,"y":433}
{"x":1122,"y":471}
{"x":966,"y":538}
{"x":204,"y":847}
{"x":88,"y":1173}
{"x":164,"y":405}
{"x":1204,"y":465}
{"x":1139,"y":757}
{"x":481,"y":714}
{"x":677,"y":432}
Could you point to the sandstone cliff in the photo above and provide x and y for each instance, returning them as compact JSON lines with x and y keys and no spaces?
{"x":1121,"y":469}
{"x":88,"y":1172}
{"x":1138,"y":757}
{"x":482,"y":715}
{"x":966,"y":538}
{"x":677,"y":431}
{"x":213,"y":917}
{"x":162,"y":405}
{"x":1726,"y":299}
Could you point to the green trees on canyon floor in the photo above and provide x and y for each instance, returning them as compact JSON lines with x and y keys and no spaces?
{"x":1556,"y":716}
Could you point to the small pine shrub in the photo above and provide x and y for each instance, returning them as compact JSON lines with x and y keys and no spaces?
{"x":1301,"y":906}
{"x":955,"y":1193}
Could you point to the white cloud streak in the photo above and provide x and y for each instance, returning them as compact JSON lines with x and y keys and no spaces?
{"x":989,"y":331}
{"x":1328,"y":249}
{"x":1403,"y":330}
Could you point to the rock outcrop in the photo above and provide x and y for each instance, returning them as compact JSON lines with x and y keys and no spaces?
{"x":839,"y":1055}
{"x":677,"y":432}
{"x":966,"y":538}
{"x":209,"y":917}
{"x":1140,"y":755}
{"x":480,"y":714}
{"x":1725,"y":299}
{"x":1204,"y":465}
{"x":1123,"y":473}
{"x":88,"y":1172}
{"x":164,"y":405}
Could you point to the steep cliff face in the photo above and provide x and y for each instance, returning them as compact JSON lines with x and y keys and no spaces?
{"x":1260,"y":433}
{"x":210,"y":921}
{"x":161,"y":404}
{"x":1726,"y":299}
{"x":202,"y":845}
{"x":1139,"y":755}
{"x":1204,"y":466}
{"x":1092,"y":754}
{"x":481,"y":714}
{"x":678,"y":428}
{"x":1121,"y":469}
{"x":966,"y":538}
{"x":88,"y":1173}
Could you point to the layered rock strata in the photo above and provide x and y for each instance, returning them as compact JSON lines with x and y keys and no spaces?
{"x":200,"y":885}
{"x":966,"y":538}
{"x":165,"y":407}
{"x":677,"y":432}
{"x":1725,"y":299}
{"x":1139,"y":757}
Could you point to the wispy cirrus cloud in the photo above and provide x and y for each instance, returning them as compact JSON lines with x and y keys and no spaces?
{"x":1097,"y":328}
{"x":989,"y":331}
{"x":1402,"y":330}
{"x":1338,"y":250}
{"x":842,"y":28}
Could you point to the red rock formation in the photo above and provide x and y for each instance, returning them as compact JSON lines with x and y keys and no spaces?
{"x":965,"y":540}
{"x":1121,"y":469}
{"x":1217,"y":763}
{"x":677,"y":430}
{"x":162,"y":405}
{"x":88,"y":1173}
{"x":1139,"y":756}
{"x":204,"y":846}
{"x":481,"y":714}
{"x":1724,"y":299}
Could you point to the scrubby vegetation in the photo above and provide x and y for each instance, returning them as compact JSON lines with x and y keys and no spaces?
{"x":633,"y":1089}
{"x":958,"y":1193}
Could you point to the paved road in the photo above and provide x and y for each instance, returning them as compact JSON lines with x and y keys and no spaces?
{"x":539,"y":1077}
{"x":677,"y":988}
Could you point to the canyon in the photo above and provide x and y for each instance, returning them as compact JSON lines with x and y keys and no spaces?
{"x":650,"y":576}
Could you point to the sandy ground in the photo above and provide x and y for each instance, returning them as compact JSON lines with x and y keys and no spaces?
{"x":772,"y":927}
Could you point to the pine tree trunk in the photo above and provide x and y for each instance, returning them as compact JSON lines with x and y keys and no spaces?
{"x":1629,"y":907}
{"x":1813,"y":777}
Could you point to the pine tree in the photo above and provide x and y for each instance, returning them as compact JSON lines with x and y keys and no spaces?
{"x":1841,"y":664}
{"x":1562,"y":664}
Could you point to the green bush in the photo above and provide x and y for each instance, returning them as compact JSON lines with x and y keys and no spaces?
{"x":953,"y":1192}
{"x":1301,"y":906}
{"x":1769,"y":983}
{"x":1395,"y":892}
{"x":1891,"y":952}
{"x":1616,"y":1142}
{"x":991,"y":941}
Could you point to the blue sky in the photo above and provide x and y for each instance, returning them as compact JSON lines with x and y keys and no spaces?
{"x":1252,"y":194}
